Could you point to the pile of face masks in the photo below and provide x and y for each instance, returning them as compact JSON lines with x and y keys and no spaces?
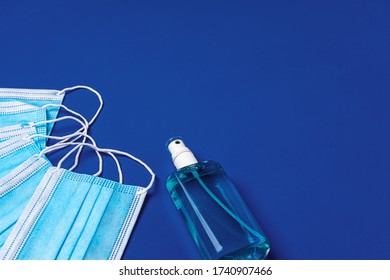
{"x":48,"y":212}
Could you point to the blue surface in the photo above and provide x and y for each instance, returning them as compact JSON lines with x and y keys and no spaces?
{"x":292,"y":97}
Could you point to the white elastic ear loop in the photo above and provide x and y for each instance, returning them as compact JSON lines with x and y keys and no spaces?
{"x":77,"y":147}
{"x":67,"y":137}
{"x":118,"y":166}
{"x":84,"y":125}
{"x":70,"y":89}
{"x":126,"y":155}
{"x":67,"y":109}
{"x":61,"y":119}
{"x":64,"y":144}
{"x":58,"y":146}
{"x":94,"y":147}
{"x":76,"y":160}
{"x":138,"y":161}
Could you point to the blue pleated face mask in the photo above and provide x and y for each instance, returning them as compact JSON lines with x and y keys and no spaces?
{"x":38,"y":108}
{"x":42,"y":97}
{"x":15,"y":113}
{"x":76,"y":216}
{"x":23,"y":166}
{"x":12,"y":145}
{"x":17,"y":118}
{"x":7,"y":132}
{"x":20,"y":174}
{"x":35,"y":97}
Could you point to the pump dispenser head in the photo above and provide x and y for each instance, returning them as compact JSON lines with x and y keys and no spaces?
{"x":181,"y":155}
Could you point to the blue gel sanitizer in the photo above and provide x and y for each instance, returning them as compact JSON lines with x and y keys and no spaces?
{"x":218,"y":219}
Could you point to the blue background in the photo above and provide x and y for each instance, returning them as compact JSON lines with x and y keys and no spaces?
{"x":292,"y":97}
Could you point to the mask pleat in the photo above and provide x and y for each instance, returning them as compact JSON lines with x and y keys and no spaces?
{"x":5,"y":233}
{"x":22,"y":187}
{"x":42,"y":129}
{"x":7,"y":132}
{"x":14,"y":152}
{"x":36,"y":98}
{"x":114,"y":216}
{"x":18,"y":185}
{"x":11,"y":115}
{"x":95,"y":201}
{"x":56,"y":220}
{"x":51,"y":114}
{"x":94,"y":218}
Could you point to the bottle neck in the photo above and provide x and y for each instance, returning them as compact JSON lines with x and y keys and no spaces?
{"x":181,"y":155}
{"x":184,"y":159}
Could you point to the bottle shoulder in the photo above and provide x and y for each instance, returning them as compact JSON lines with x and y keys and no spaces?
{"x":202,"y":168}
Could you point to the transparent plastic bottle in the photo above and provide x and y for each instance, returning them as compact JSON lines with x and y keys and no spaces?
{"x":213,"y":210}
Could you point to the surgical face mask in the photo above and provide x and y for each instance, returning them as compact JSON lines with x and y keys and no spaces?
{"x":76,"y":216}
{"x":50,"y":100}
{"x":20,"y":173}
{"x":34,"y":97}
{"x":23,"y":167}
{"x":8,"y":132}
{"x":14,"y":152}
{"x":22,"y":170}
{"x":23,"y":114}
{"x":28,"y":119}
{"x":42,"y":97}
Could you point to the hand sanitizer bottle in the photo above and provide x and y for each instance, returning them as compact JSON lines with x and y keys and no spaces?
{"x":213,"y":210}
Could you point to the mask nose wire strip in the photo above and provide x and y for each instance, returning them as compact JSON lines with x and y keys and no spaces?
{"x":70,"y":89}
{"x":144,"y":190}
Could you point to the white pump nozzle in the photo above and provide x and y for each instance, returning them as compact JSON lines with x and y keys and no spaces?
{"x":181,"y":155}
